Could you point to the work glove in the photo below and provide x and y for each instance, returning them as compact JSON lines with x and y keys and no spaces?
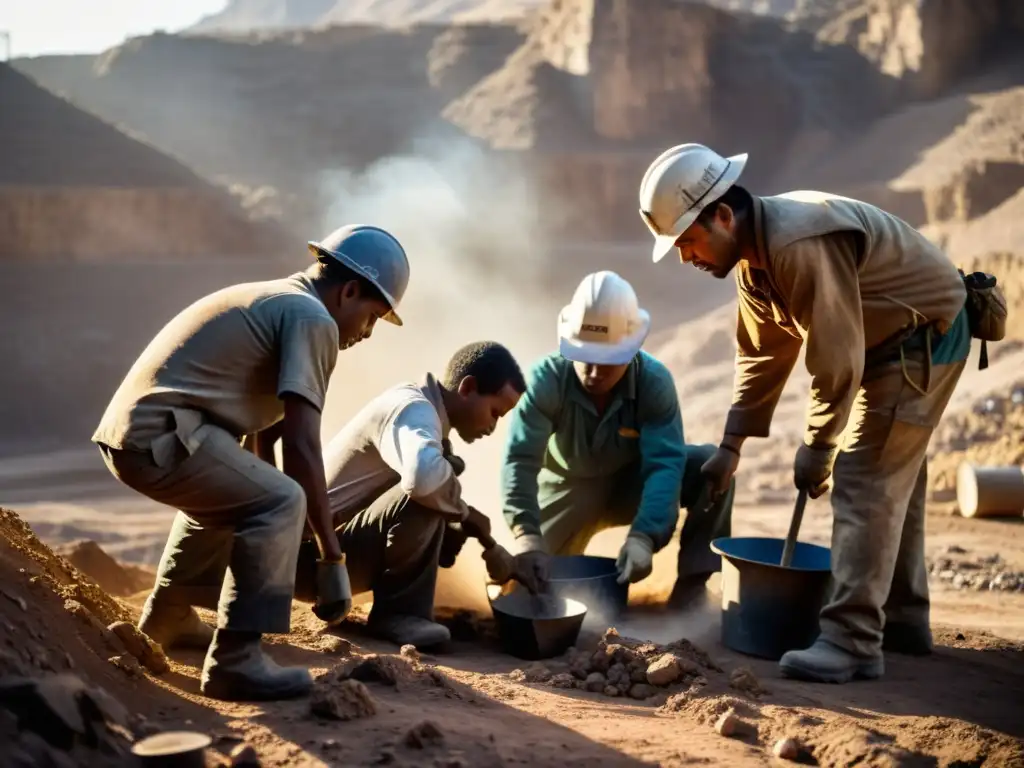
{"x":812,"y":468}
{"x":451,"y":544}
{"x":719,"y":470}
{"x":501,"y":566}
{"x":333,"y":592}
{"x":531,"y":564}
{"x":635,"y":560}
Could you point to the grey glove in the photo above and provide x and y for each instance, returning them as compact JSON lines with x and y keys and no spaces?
{"x":501,"y":566}
{"x":333,"y":592}
{"x":636,"y":559}
{"x":812,"y":468}
{"x":531,"y":564}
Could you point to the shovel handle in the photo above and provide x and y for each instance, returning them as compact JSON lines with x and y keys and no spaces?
{"x":794,"y":529}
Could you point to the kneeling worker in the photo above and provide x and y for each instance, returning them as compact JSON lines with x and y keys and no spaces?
{"x":597,"y":442}
{"x":243,"y":360}
{"x":395,"y":498}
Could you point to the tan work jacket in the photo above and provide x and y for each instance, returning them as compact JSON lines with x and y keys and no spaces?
{"x":842,"y":276}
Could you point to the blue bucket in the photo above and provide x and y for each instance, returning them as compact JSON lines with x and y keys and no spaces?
{"x":767,"y":609}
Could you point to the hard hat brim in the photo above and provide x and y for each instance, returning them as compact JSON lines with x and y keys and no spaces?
{"x":663,"y":244}
{"x":597,"y":353}
{"x":318,"y":250}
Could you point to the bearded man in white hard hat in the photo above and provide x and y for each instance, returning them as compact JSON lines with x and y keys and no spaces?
{"x":597,"y":442}
{"x":251,"y":360}
{"x":881,"y":311}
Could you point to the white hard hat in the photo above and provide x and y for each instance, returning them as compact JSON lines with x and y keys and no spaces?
{"x":604,"y":324}
{"x":680,"y":184}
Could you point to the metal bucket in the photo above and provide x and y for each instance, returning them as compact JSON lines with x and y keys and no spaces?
{"x":590,"y":580}
{"x":535,"y":628}
{"x":990,"y":491}
{"x":767,"y":609}
{"x":173,"y":749}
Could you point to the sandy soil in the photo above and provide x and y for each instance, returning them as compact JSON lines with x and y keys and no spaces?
{"x":960,"y":707}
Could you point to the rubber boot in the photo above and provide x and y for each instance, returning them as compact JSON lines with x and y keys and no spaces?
{"x":174,"y":625}
{"x":907,"y":639}
{"x":237,"y":669}
{"x":824,"y":662}
{"x":408,"y":630}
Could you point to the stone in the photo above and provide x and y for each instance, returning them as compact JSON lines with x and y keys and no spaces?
{"x":616,"y":672}
{"x":786,"y":749}
{"x":664,"y":670}
{"x":596,"y":682}
{"x":347,"y":700}
{"x":743,"y":679}
{"x":564,"y":680}
{"x":409,"y":652}
{"x":537,"y":673}
{"x":423,"y":735}
{"x":641,"y":691}
{"x":611,"y":690}
{"x":127,"y":664}
{"x":728,"y":724}
{"x":336,"y":646}
{"x":141,"y":647}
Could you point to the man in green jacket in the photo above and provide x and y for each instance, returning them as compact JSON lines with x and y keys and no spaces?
{"x":597,"y":442}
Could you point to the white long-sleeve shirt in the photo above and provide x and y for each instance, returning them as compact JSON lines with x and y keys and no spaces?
{"x":394,"y":440}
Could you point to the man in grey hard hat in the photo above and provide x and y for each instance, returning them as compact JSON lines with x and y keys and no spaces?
{"x":881,"y":311}
{"x":395,"y":494}
{"x":597,"y":442}
{"x":249,"y":360}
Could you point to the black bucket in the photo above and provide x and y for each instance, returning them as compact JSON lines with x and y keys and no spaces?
{"x":767,"y":609}
{"x":536,"y":628}
{"x":592,"y":581}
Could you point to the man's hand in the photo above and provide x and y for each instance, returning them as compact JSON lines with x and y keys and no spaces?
{"x":501,"y":566}
{"x":531,"y":564}
{"x":451,"y":544}
{"x":719,"y":469}
{"x":635,"y":560}
{"x":333,"y":592}
{"x":812,"y":468}
{"x":477,"y":524}
{"x":304,"y":463}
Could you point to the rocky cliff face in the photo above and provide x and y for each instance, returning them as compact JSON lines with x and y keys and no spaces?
{"x":933,"y":44}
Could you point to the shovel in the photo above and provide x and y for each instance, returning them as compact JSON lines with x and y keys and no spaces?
{"x":794,"y":529}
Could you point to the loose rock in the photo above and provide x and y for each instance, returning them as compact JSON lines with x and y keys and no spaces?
{"x":127,"y":664}
{"x":596,"y":682}
{"x":141,"y":647}
{"x":728,"y":724}
{"x":423,"y":735}
{"x":664,"y":670}
{"x":641,"y":691}
{"x":347,"y":700}
{"x":744,"y":679}
{"x":564,"y":680}
{"x":786,"y":749}
{"x":245,"y":755}
{"x":336,"y":646}
{"x":409,"y":652}
{"x":611,"y":690}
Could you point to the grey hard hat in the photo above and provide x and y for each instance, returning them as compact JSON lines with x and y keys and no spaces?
{"x":373,"y":253}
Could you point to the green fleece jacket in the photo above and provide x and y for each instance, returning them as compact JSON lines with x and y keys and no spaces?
{"x":557,"y":427}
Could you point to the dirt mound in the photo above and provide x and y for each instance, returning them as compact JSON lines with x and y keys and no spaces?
{"x":111,"y":576}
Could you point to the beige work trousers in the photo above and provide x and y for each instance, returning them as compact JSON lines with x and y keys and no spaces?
{"x":234,"y":543}
{"x":878,"y":506}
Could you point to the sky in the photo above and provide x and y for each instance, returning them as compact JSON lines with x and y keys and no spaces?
{"x":38,"y":27}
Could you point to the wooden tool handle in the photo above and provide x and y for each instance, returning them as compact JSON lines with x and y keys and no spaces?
{"x":794,"y":529}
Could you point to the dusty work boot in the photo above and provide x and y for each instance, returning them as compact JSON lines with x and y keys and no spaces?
{"x":408,"y":630}
{"x":174,"y":625}
{"x":824,"y":662}
{"x":907,"y":639}
{"x":237,"y":669}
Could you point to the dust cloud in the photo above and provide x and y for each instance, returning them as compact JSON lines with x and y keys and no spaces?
{"x":471,"y":226}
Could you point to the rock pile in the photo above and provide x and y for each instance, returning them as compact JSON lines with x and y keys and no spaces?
{"x":622,"y":666}
{"x":980,"y":573}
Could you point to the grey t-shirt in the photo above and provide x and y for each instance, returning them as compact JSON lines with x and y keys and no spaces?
{"x":229,"y":358}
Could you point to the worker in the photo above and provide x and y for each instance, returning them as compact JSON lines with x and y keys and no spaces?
{"x":597,"y":442}
{"x":395,"y":497}
{"x":246,"y":360}
{"x":881,"y":312}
